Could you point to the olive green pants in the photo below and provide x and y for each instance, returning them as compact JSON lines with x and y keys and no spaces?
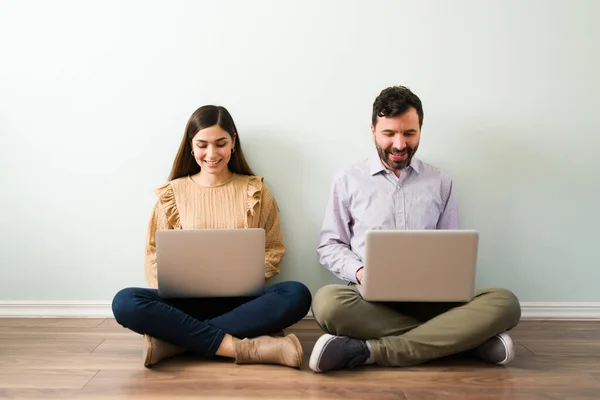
{"x":404,"y":334}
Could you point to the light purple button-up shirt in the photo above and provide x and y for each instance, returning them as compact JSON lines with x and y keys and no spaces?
{"x":367,"y":196}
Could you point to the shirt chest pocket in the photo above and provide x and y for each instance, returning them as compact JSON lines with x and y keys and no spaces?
{"x":424,"y":209}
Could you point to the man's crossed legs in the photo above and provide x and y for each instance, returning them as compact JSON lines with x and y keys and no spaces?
{"x":404,"y":334}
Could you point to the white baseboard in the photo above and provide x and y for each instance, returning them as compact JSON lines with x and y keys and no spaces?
{"x":83,"y":309}
{"x":55,"y":309}
{"x":560,"y":311}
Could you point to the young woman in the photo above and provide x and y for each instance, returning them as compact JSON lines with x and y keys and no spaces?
{"x":211,"y":186}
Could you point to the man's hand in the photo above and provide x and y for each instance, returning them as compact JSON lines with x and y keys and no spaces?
{"x":359,"y":274}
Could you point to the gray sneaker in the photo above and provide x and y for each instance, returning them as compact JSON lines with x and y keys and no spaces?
{"x":338,"y":352}
{"x":497,"y":350}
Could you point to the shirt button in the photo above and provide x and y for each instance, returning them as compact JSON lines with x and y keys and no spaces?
{"x":399,"y":212}
{"x":398,"y":187}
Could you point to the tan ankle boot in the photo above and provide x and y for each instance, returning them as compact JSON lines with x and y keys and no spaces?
{"x":156,"y":350}
{"x":269,"y":350}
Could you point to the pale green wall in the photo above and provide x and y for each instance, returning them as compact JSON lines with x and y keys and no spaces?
{"x":95,"y":97}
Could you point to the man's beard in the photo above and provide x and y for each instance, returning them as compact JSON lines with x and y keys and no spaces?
{"x":385,"y":156}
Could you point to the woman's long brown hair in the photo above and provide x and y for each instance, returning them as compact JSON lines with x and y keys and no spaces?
{"x":205,"y":117}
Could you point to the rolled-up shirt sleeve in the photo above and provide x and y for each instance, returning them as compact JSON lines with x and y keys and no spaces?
{"x":334,"y":248}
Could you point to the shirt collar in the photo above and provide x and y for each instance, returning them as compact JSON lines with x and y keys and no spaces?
{"x":376,"y":166}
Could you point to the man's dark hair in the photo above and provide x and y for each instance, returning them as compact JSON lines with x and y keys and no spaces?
{"x":394,"y":101}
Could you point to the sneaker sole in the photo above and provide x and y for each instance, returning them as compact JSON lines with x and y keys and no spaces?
{"x":509,"y":346}
{"x":317,"y":351}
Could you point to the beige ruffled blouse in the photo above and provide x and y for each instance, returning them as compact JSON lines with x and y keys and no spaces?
{"x":241,"y":202}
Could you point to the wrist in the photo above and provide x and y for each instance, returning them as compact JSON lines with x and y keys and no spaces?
{"x":359,"y":274}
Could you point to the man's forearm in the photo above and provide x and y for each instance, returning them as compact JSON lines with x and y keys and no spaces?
{"x":340,"y":261}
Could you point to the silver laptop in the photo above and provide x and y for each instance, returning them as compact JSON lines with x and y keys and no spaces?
{"x":420,"y":265}
{"x":210,"y":262}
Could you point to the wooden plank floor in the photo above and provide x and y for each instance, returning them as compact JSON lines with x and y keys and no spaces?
{"x":97,"y":359}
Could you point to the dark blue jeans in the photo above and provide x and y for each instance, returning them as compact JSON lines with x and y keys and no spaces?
{"x":199,"y":325}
